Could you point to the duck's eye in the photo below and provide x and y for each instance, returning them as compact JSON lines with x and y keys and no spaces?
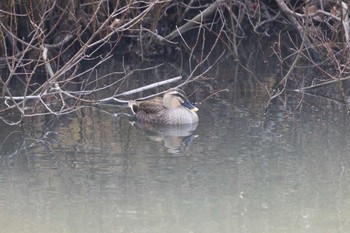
{"x":180,"y":96}
{"x":181,"y":100}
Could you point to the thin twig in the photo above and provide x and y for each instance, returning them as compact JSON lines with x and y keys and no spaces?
{"x":215,"y":93}
{"x":144,"y":88}
{"x":321,"y":84}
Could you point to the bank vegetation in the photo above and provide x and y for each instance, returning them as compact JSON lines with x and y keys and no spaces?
{"x":43,"y":43}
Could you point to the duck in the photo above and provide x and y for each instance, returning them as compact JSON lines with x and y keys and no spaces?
{"x":173,"y":109}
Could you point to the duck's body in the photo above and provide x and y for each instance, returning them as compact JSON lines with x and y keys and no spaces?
{"x":173,"y":109}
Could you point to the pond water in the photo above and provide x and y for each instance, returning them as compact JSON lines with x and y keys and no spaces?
{"x":243,"y":168}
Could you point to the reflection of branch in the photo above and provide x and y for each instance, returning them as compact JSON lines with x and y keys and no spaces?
{"x":321,"y":84}
{"x":334,"y":100}
{"x":215,"y":93}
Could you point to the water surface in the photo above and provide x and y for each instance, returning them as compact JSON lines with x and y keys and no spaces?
{"x":244,"y":168}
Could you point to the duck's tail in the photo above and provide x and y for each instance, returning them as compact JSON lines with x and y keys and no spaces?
{"x":132,"y":105}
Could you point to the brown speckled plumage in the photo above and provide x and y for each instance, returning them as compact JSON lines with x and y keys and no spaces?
{"x":173,"y":109}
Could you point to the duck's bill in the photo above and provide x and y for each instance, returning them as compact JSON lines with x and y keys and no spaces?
{"x":190,"y":106}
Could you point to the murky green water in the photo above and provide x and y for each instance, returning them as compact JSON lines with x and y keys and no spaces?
{"x":238,"y":171}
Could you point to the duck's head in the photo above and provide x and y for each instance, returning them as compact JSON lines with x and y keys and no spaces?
{"x":176,"y":98}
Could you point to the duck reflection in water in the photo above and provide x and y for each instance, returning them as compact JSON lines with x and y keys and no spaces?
{"x":176,"y":137}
